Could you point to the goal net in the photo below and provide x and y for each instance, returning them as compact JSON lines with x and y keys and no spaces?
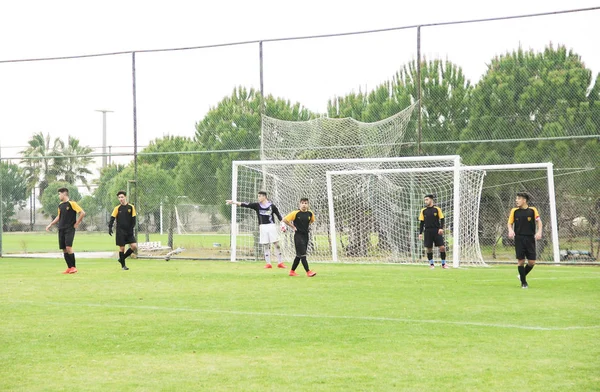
{"x":287,"y":181}
{"x":334,"y":137}
{"x":475,"y":212}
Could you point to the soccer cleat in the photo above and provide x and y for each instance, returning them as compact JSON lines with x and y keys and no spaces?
{"x":281,"y":265}
{"x":72,"y":270}
{"x":293,"y":273}
{"x":445,"y":266}
{"x":431,"y":266}
{"x":524,"y":286}
{"x":67,"y":271}
{"x":125,"y":268}
{"x":268,"y":266}
{"x":310,"y":274}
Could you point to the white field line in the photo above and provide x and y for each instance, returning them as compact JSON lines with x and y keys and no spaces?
{"x":322,"y":316}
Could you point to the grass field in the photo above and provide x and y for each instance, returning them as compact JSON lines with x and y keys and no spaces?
{"x":14,"y":243}
{"x":202,"y":245}
{"x":200,"y":326}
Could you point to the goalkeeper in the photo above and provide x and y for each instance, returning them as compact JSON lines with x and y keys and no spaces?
{"x":300,"y":221}
{"x":266,"y":212}
{"x":431,"y":230}
{"x":125,"y":216}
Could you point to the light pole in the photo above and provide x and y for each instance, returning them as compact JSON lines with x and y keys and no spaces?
{"x":104,"y":111}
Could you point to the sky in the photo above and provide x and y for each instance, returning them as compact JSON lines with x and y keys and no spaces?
{"x":176,"y":89}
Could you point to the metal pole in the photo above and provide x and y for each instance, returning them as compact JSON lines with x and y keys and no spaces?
{"x":104,"y":111}
{"x":134,"y":134}
{"x":553,"y":215}
{"x":419,"y":125}
{"x":262,"y":99}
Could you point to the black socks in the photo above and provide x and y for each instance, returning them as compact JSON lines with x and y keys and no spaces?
{"x":304,"y":263}
{"x":295,"y":263}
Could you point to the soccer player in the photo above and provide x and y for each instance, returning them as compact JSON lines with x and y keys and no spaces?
{"x":68,"y":221}
{"x":300,"y":221}
{"x":431,"y":230}
{"x":266,"y":212}
{"x":125,"y":216}
{"x":525,"y":226}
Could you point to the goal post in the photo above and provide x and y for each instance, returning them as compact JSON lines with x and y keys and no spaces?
{"x":285,"y":181}
{"x":462,"y":219}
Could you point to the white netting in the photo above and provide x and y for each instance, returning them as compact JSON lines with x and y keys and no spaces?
{"x":376,"y":212}
{"x":286,"y":182}
{"x":498,"y":198}
{"x":334,"y":137}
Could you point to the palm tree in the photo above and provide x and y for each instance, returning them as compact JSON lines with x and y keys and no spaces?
{"x":73,"y":164}
{"x":39,"y":161}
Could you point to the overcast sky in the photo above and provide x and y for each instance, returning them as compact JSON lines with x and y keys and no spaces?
{"x":176,"y":89}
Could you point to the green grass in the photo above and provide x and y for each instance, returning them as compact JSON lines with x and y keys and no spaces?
{"x":183,"y":326}
{"x":95,"y":242}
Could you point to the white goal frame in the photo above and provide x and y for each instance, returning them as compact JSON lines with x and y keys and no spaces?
{"x":456,"y":216}
{"x":453,"y":159}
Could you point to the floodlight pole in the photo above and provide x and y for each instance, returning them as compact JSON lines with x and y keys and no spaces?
{"x":104,"y":111}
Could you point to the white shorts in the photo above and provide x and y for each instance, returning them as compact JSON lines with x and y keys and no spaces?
{"x":268,"y":233}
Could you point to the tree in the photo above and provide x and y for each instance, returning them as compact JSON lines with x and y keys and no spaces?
{"x":234,"y":124}
{"x":13,"y":183}
{"x":39,"y":161}
{"x":102,"y":193}
{"x":158,"y":151}
{"x":528,"y":95}
{"x":73,"y":165}
{"x":93,"y":212}
{"x":539,"y":100}
{"x":50,"y":200}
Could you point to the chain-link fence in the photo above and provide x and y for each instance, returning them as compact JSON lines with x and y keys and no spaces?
{"x":494,"y":92}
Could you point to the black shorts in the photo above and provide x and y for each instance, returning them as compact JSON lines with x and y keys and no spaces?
{"x":525,"y":247}
{"x":431,"y":237}
{"x":123,"y":238}
{"x":66,"y":237}
{"x":301,"y":243}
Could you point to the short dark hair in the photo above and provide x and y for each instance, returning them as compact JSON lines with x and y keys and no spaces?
{"x":524,"y":195}
{"x":262,"y":193}
{"x":304,"y":199}
{"x":63,"y":190}
{"x":122,"y":193}
{"x":430,"y":195}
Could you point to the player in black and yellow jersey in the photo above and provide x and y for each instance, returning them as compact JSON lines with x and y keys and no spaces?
{"x":67,"y":223}
{"x":431,"y":230}
{"x":300,"y":221}
{"x":125,"y":216}
{"x":525,"y":226}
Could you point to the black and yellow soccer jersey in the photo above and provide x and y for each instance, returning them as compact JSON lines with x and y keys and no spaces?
{"x":523,"y":220}
{"x":67,"y":213}
{"x":431,"y":218}
{"x":125,"y":216}
{"x":301,"y":220}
